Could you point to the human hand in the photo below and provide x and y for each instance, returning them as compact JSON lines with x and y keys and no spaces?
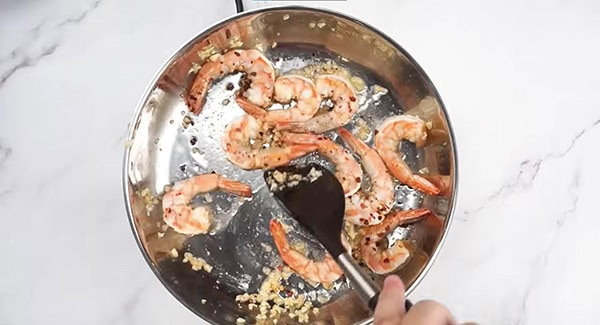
{"x":390,"y":308}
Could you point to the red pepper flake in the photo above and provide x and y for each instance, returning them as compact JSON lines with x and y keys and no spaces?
{"x":352,"y":98}
{"x":358,"y":179}
{"x":386,"y":260}
{"x":236,"y":53}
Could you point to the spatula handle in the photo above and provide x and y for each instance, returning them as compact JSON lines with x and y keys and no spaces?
{"x":361,"y":282}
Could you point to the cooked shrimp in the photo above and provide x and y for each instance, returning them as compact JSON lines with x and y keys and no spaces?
{"x":345,"y":105}
{"x":369,"y":208}
{"x":387,"y":142}
{"x":325,"y":272}
{"x":287,"y":88}
{"x":184,"y":219}
{"x":384,"y":260}
{"x":347,"y":170}
{"x":259,"y":72}
{"x":251,"y":144}
{"x":443,"y":182}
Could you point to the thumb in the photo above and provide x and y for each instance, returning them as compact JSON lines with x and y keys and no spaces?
{"x":390,"y":306}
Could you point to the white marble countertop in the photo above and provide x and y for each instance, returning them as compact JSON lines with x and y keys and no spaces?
{"x":520,"y":81}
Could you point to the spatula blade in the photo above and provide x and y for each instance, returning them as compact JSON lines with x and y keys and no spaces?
{"x":314,"y":197}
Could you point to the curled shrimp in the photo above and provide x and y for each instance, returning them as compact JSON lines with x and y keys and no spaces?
{"x":287,"y":88}
{"x":184,"y":219}
{"x":325,"y":272}
{"x":259,"y":72}
{"x":369,"y":208}
{"x":347,"y":170}
{"x":341,"y":94}
{"x":384,"y":260}
{"x":387,"y":141}
{"x":251,"y":144}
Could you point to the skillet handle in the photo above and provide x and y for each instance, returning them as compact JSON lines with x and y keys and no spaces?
{"x":239,"y":6}
{"x":362,"y":283}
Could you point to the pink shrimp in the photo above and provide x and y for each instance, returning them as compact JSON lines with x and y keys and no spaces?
{"x":347,"y":170}
{"x":369,"y":208}
{"x":287,"y":88}
{"x":345,"y":105}
{"x":387,"y":142}
{"x":251,"y":144}
{"x":257,"y":67}
{"x":388,"y":259}
{"x":325,"y":272}
{"x":180,"y":216}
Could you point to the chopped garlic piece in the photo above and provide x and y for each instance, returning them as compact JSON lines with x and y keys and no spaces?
{"x":197,"y":263}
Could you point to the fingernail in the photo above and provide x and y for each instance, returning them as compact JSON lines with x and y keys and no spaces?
{"x":392,"y":280}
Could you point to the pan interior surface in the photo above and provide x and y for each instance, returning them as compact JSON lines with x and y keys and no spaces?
{"x":167,"y":143}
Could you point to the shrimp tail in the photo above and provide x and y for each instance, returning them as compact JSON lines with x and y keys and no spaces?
{"x":398,"y":218}
{"x":423,"y":184}
{"x":443,"y":183}
{"x":195,"y":97}
{"x":251,"y":108}
{"x":279,"y":236}
{"x":357,"y":146}
{"x":235,"y":187}
{"x":407,"y":216}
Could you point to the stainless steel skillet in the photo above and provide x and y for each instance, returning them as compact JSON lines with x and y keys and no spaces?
{"x":166,"y":144}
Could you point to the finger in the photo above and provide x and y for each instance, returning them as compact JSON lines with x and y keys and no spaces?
{"x":428,"y":312}
{"x":390,"y":306}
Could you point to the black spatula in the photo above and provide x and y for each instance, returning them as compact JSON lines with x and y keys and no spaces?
{"x":314,"y":197}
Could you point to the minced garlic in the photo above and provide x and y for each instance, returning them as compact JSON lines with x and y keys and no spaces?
{"x":149,"y":200}
{"x":197,"y":263}
{"x":273,"y":301}
{"x":195,"y":68}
